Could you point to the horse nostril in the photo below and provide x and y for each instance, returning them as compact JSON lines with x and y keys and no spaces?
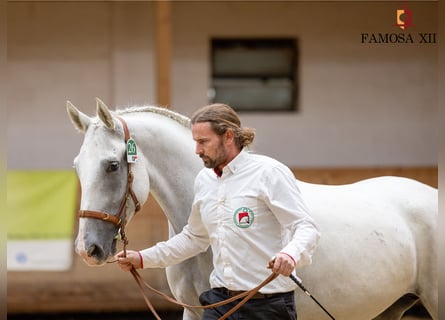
{"x":95,"y":251}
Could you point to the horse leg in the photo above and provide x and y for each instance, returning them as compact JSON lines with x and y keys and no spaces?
{"x":182,"y":287}
{"x":427,"y":289}
{"x":190,"y":315}
{"x":188,"y":279}
{"x":429,"y":298}
{"x":427,"y":281}
{"x":398,"y":308}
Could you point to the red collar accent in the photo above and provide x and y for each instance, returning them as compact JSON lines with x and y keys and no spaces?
{"x":217,"y":172}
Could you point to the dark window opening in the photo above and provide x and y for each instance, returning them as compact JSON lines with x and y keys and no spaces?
{"x":254,"y":74}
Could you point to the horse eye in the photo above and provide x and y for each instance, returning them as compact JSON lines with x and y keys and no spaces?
{"x":113,"y":166}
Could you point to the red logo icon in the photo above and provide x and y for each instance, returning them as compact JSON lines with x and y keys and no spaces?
{"x":404,"y":18}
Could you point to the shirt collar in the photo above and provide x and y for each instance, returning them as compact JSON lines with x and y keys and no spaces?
{"x":235,"y":164}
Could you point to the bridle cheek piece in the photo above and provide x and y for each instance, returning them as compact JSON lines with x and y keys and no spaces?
{"x":118,"y":220}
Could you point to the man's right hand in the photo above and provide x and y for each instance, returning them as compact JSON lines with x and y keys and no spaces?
{"x":132,"y":260}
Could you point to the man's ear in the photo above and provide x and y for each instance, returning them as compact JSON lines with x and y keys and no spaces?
{"x":229,"y":136}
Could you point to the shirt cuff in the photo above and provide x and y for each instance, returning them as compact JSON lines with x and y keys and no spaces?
{"x":287,"y":254}
{"x":141,"y":260}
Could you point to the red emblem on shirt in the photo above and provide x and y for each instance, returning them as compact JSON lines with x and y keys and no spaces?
{"x":243,"y":217}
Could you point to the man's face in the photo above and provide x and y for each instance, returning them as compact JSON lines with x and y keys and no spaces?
{"x":209,"y":145}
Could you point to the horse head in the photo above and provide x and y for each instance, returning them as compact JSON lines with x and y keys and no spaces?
{"x":103,"y":170}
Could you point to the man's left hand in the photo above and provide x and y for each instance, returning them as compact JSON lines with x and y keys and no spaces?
{"x":282,"y":264}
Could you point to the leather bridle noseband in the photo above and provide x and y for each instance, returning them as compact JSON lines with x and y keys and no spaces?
{"x":118,"y":220}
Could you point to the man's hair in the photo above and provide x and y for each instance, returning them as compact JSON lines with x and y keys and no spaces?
{"x":222,"y":117}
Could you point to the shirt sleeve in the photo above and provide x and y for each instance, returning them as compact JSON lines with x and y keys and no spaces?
{"x":192,"y":240}
{"x":283,"y":197}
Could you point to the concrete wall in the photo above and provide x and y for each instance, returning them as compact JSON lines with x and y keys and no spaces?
{"x":360,"y":104}
{"x":76,"y":51}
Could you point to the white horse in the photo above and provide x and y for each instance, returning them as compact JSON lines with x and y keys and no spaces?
{"x":377,"y":254}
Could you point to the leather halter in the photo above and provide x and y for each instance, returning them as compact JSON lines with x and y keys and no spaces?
{"x":117,"y":220}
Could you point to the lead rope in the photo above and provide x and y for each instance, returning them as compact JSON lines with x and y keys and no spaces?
{"x":245,"y":295}
{"x":141,"y":283}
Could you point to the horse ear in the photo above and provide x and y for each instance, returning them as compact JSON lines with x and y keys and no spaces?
{"x":104,"y":114}
{"x":79,"y":120}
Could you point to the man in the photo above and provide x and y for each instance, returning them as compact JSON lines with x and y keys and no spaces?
{"x":248,"y":208}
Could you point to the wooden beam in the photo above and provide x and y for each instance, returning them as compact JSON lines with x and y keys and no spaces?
{"x":163,"y":52}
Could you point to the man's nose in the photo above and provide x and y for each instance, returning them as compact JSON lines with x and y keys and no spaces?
{"x":198,"y":149}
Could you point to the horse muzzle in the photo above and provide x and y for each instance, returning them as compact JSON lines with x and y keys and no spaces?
{"x":93,"y":252}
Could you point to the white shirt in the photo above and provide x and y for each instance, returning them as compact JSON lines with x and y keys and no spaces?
{"x":248,"y":215}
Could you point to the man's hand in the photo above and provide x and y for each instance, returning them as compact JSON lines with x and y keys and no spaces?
{"x":282,"y":264}
{"x":132,"y":260}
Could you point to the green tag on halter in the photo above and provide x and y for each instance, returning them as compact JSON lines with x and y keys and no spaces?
{"x":132,"y":153}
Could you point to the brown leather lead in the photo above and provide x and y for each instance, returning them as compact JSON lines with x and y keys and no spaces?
{"x":247,"y":295}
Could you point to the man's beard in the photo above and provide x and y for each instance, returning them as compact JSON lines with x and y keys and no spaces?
{"x":208,"y":162}
{"x":219,"y":159}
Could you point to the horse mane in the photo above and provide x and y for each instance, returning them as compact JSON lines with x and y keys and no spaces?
{"x":181,"y":119}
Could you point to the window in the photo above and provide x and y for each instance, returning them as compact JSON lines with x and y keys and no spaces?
{"x":254,"y":74}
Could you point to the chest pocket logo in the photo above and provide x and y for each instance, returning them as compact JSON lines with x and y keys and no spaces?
{"x":243,"y":217}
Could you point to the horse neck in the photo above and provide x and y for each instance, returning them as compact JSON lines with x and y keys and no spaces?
{"x":171,"y":164}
